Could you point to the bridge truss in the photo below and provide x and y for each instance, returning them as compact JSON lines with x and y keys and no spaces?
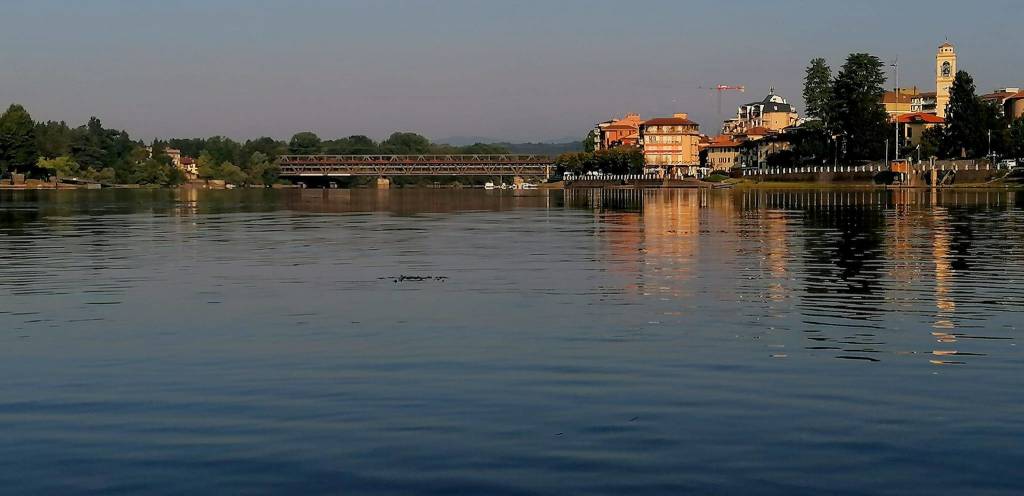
{"x":416,"y":165}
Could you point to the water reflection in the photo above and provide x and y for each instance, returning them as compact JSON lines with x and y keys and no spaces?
{"x":861,"y":265}
{"x":541,"y":342}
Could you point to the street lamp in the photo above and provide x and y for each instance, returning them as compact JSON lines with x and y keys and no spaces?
{"x":896,"y":115}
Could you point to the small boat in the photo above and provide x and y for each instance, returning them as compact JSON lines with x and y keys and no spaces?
{"x":489,"y":185}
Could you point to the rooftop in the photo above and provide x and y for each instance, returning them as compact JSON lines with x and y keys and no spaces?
{"x":920,"y":117}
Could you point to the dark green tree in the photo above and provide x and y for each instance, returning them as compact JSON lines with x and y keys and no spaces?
{"x":859,"y":113}
{"x":269,"y":147}
{"x":1015,"y":147}
{"x":54,"y":139}
{"x":590,"y":142}
{"x":405,"y":144}
{"x":931,"y":143}
{"x":362,"y":145}
{"x":818,"y":96}
{"x":19,"y":151}
{"x":967,"y":120}
{"x":304,"y":143}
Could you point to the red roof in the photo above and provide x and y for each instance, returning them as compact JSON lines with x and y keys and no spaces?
{"x":670,"y":121}
{"x":919,"y":117}
{"x":724,"y":141}
{"x":759,"y":131}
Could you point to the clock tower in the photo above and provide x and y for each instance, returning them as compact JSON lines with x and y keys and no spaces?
{"x":945,"y":72}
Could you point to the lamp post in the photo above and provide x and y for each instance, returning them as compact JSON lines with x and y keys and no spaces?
{"x":896,"y":115}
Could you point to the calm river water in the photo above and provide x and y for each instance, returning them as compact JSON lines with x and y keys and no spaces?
{"x":472,"y":342}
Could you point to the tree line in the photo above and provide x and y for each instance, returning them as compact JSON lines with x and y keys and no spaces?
{"x":623,"y":160}
{"x":850,"y":122}
{"x":90,"y":151}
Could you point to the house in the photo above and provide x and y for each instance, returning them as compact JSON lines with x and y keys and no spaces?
{"x":773,"y":112}
{"x":723,"y":153}
{"x":923,"y":102}
{"x":755,"y":153}
{"x":914,"y":125}
{"x":899,"y":101}
{"x":190,"y":167}
{"x":1010,"y":101}
{"x":671,"y":143}
{"x":618,"y":132}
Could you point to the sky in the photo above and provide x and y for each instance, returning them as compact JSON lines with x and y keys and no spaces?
{"x":507,"y":71}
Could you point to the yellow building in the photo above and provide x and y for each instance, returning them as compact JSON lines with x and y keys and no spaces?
{"x":914,"y":125}
{"x":671,"y":142}
{"x":899,"y":102}
{"x":945,"y":73}
{"x":773,"y":112}
{"x":724,"y":153}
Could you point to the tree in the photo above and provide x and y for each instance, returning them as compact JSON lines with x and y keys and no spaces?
{"x":233,"y":174}
{"x":967,"y":120}
{"x":405,"y":144}
{"x":362,"y":145}
{"x":1016,"y":140}
{"x":931,"y":142}
{"x":818,"y":95}
{"x":18,"y":148}
{"x":304,"y":143}
{"x":590,"y":142}
{"x":152,"y":172}
{"x":53,"y":139}
{"x":859,"y":113}
{"x":63,"y":166}
{"x":208,"y":168}
{"x":262,"y":170}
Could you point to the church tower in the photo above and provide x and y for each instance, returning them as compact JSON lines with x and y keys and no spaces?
{"x":945,"y":72}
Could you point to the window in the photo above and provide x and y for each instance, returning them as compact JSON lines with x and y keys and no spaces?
{"x":947,"y":69}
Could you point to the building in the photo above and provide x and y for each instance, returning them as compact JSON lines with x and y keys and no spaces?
{"x":671,"y":143}
{"x":1010,"y":101}
{"x":773,"y":112}
{"x":900,"y":101}
{"x":923,"y":102}
{"x":1014,"y":106}
{"x":755,"y":153}
{"x":945,"y":73}
{"x":913,"y":126}
{"x":618,"y":132}
{"x":186,"y":165}
{"x":723,"y":153}
{"x":190,"y":167}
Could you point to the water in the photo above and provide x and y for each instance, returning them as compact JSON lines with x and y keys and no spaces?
{"x":624,"y":342}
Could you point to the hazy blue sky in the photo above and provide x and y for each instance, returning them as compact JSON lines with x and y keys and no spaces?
{"x":516,"y":70}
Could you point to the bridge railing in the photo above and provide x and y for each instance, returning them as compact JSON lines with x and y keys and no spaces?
{"x":473,"y":159}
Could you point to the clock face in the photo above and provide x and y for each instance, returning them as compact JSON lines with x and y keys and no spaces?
{"x":947,"y":69}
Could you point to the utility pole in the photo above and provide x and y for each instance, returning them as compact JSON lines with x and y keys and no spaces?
{"x":896,"y":115}
{"x":990,"y":145}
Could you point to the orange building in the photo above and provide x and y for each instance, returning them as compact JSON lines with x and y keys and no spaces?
{"x":671,"y":143}
{"x":620,"y":132}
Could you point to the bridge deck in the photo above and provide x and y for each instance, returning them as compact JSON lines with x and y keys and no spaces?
{"x":416,"y":165}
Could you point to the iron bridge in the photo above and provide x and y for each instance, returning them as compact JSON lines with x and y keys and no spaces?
{"x":416,"y":165}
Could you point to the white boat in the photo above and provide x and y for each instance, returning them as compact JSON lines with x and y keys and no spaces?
{"x":489,"y":185}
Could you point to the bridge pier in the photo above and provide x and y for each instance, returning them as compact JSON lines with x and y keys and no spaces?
{"x":383,"y":183}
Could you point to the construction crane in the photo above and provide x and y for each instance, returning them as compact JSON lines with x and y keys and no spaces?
{"x":720,"y":88}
